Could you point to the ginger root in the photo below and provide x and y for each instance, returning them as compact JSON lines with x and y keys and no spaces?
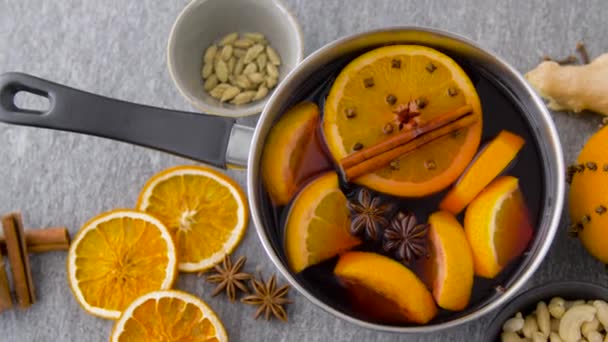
{"x":573,"y":87}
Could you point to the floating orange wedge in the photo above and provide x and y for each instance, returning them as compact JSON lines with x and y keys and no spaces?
{"x":205,"y":211}
{"x":169,"y":316}
{"x":360,"y":112}
{"x":497,"y":225}
{"x":451,"y":262}
{"x":490,"y":163}
{"x":385,"y":289}
{"x":318,"y":223}
{"x":285,"y":149}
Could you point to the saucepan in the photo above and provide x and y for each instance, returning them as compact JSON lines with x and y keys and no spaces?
{"x":221,"y":142}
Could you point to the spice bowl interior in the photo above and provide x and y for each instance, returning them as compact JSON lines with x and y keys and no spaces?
{"x":317,"y":73}
{"x":204,"y":22}
{"x":526,"y":302}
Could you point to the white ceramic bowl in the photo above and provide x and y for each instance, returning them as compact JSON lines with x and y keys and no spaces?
{"x":203,"y":22}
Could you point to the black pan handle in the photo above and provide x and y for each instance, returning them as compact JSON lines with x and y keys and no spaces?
{"x":192,"y":135}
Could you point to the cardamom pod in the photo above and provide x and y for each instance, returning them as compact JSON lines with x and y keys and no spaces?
{"x":243,"y":43}
{"x":232,"y":80}
{"x":207,"y":70}
{"x":255,"y":36}
{"x":256,"y":77}
{"x":243,"y":81}
{"x":229,"y":38}
{"x":261,"y":61}
{"x":253,"y":52}
{"x":230,"y":93}
{"x":250,"y":69}
{"x":271,"y":82}
{"x":211,"y":82}
{"x":210,"y":53}
{"x":221,"y":70}
{"x":219,"y":90}
{"x":242,"y":98}
{"x":273,"y":56}
{"x":239,"y":53}
{"x":272,"y":70}
{"x":238,"y":68}
{"x":261,"y":93}
{"x":231,"y":64}
{"x":226,"y":52}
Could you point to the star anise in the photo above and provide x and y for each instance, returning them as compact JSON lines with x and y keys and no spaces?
{"x":229,"y":278}
{"x":407,"y":238}
{"x":269,"y":298}
{"x":367,"y":214}
{"x":406,"y":114}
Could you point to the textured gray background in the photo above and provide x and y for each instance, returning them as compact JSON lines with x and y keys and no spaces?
{"x":117,"y":48}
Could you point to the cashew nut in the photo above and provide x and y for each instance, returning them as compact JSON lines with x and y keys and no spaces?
{"x":557,"y":307}
{"x":539,"y":337}
{"x":543,"y":318}
{"x":514,"y":324}
{"x":589,"y":327}
{"x":554,"y":337}
{"x":530,"y":326}
{"x":573,"y":319}
{"x":511,"y":337}
{"x":594,"y":336}
{"x":602,"y":312}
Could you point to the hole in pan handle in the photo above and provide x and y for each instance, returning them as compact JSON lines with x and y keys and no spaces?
{"x":196,"y":136}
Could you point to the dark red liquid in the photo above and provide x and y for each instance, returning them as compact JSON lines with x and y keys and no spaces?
{"x":500,"y":111}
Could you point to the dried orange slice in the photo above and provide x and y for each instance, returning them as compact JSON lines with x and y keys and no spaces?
{"x":359,"y":112}
{"x":205,"y":211}
{"x":285,"y":149}
{"x":497,"y":225}
{"x":388,"y":291}
{"x":588,"y":197}
{"x":490,"y":163}
{"x":168,"y":316}
{"x":451,"y":262}
{"x":117,"y":257}
{"x":317,"y":224}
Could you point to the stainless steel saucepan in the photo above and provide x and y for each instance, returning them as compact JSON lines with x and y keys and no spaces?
{"x":221,"y":142}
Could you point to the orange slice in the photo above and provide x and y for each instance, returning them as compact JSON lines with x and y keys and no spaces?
{"x":361,"y":102}
{"x":168,"y":316}
{"x":285,"y":149}
{"x":317,"y":224}
{"x":451,"y":262}
{"x":497,"y":225}
{"x":490,"y":163}
{"x":205,"y":211}
{"x":588,"y":197}
{"x":386,"y":289}
{"x":117,"y":257}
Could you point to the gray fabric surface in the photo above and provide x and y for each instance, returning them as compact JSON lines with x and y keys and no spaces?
{"x":117,"y":48}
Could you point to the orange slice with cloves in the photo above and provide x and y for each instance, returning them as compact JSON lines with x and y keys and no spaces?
{"x":393,"y":88}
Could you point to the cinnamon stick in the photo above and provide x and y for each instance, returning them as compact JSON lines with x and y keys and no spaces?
{"x":6,"y":302}
{"x":405,"y":136}
{"x":12,"y":227}
{"x":44,"y":240}
{"x":413,"y":140}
